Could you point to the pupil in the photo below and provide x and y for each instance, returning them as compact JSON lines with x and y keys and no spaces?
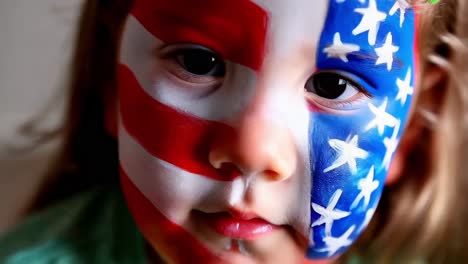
{"x":329,"y":85}
{"x":201,"y":62}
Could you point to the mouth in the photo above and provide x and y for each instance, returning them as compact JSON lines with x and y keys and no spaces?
{"x":245,"y":227}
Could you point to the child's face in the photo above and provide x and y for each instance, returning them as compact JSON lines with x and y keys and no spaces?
{"x":261,"y":130}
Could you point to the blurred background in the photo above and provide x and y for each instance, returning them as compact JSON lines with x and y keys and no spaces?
{"x":36,"y":40}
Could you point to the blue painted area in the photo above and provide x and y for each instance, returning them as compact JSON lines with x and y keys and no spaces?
{"x":381,"y":85}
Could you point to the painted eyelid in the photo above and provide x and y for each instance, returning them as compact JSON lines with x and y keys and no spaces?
{"x":170,"y":52}
{"x":343,"y":106}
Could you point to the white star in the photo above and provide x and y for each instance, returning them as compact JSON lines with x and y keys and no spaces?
{"x":329,"y":214}
{"x":370,"y":21}
{"x":336,"y":243}
{"x":385,"y":52}
{"x":404,"y":88}
{"x":367,"y":218}
{"x":340,"y":49}
{"x":391,"y":144}
{"x":401,"y":5}
{"x":348,"y":151}
{"x":367,"y":186}
{"x":382,"y":118}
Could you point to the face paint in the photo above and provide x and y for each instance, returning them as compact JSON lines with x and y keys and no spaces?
{"x":237,"y":162}
{"x":373,"y":50}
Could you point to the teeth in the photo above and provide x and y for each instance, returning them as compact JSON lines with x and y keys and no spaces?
{"x":242,"y":248}
{"x":228,"y":246}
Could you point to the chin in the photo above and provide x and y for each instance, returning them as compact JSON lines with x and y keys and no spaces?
{"x":240,"y":252}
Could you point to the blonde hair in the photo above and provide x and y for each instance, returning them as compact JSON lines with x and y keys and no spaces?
{"x":420,"y":217}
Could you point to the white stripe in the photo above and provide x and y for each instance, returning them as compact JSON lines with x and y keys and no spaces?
{"x":294,"y":22}
{"x":192,"y":190}
{"x":175,"y":192}
{"x":291,"y":29}
{"x":295,"y":29}
{"x":138,"y":52}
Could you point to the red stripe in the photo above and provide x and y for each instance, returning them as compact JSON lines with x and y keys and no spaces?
{"x":234,"y":29}
{"x":162,"y":233}
{"x":166,"y":133}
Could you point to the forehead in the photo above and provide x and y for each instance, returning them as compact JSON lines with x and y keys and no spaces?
{"x":233,"y":16}
{"x":243,"y":30}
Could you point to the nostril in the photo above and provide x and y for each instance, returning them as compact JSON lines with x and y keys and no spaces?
{"x":216,"y":159}
{"x":229,"y":170}
{"x":272,"y":175}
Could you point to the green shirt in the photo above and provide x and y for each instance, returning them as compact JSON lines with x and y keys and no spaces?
{"x":92,"y":227}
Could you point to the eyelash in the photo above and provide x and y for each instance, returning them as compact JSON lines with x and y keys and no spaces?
{"x":332,"y":105}
{"x":170,"y":54}
{"x":178,"y":72}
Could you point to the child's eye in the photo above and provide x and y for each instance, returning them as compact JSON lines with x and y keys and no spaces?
{"x":200,"y":61}
{"x":331,"y":86}
{"x":333,"y":90}
{"x":193,"y":65}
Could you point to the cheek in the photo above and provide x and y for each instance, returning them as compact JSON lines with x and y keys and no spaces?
{"x":350,"y":157}
{"x":159,"y":148}
{"x":169,"y":239}
{"x":351,"y":154}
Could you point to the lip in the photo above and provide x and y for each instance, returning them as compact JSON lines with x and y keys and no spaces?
{"x":247,"y":228}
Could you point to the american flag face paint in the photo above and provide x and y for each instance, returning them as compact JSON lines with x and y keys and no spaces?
{"x":372,"y":48}
{"x":259,"y":130}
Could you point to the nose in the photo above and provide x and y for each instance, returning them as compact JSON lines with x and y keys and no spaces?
{"x":258,"y":145}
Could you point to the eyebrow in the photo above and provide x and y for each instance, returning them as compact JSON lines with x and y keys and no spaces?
{"x":363,"y":56}
{"x":369,"y":58}
{"x":234,"y":29}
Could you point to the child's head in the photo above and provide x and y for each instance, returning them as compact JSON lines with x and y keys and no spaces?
{"x":254,"y":130}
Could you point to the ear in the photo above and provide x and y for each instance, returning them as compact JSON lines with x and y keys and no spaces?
{"x":429,"y":96}
{"x":110,"y":116}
